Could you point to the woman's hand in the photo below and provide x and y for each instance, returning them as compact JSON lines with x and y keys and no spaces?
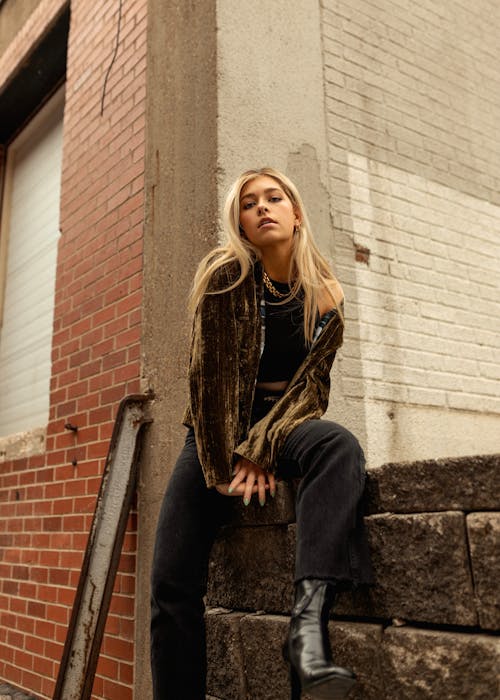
{"x":249,"y":478}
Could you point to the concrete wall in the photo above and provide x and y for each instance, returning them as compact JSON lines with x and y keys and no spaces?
{"x":180,"y":227}
{"x":271,"y":98}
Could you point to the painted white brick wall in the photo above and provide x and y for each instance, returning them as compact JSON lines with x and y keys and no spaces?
{"x":416,"y":85}
{"x":412,"y":96}
{"x":426,"y":307}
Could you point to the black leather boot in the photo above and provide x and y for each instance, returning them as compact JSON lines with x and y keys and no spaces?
{"x":308,"y":648}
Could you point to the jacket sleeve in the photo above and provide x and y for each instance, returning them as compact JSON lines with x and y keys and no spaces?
{"x":305,"y":398}
{"x":213,"y":397}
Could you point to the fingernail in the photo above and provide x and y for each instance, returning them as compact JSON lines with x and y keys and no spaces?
{"x":230,"y":489}
{"x":273,"y":493}
{"x":262,"y":501}
{"x":246,"y":501}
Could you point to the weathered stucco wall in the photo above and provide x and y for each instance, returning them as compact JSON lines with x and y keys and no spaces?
{"x":271,"y":108}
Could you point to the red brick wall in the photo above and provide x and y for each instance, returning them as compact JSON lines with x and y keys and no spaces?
{"x":47,"y":503}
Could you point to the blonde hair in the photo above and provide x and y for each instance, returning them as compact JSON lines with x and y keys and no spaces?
{"x":309,"y":270}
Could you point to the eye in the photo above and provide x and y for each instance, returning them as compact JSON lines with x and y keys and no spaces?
{"x":276,"y":198}
{"x":247,"y":205}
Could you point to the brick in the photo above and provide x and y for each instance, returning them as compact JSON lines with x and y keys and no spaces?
{"x":39,"y":574}
{"x":35,"y":646}
{"x":125,"y":373}
{"x":118,"y":648}
{"x":26,"y":591}
{"x":26,"y":625}
{"x":115,"y":691}
{"x":59,"y":577}
{"x":43,"y":666}
{"x":122,"y":605}
{"x":63,"y":596}
{"x":126,"y":673}
{"x":53,"y":651}
{"x":107,"y":667}
{"x":97,"y":449}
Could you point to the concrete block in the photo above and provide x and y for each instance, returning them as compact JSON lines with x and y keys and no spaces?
{"x":357,"y":646}
{"x":252,"y":569}
{"x":421,"y":570}
{"x":462,"y":483}
{"x":266,"y":673}
{"x":354,"y":645}
{"x":278,"y":510}
{"x":420,"y":562}
{"x":224,"y":651}
{"x":420,"y":664}
{"x":484,"y":542}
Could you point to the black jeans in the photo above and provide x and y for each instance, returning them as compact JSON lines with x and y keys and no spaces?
{"x":330,"y":543}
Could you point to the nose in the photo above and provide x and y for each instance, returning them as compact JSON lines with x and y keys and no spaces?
{"x":261,"y":208}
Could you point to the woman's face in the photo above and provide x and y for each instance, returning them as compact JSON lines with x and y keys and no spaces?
{"x":267,"y":216}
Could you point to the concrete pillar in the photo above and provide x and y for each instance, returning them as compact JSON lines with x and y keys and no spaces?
{"x":180,"y":227}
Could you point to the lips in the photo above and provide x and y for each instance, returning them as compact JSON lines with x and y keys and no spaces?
{"x":266,"y":220}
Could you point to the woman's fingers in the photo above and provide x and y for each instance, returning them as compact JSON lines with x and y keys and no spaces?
{"x":249,"y":486}
{"x":272,"y":484}
{"x":240,"y":475}
{"x":261,"y":481}
{"x":237,"y":491}
{"x":248,"y":479}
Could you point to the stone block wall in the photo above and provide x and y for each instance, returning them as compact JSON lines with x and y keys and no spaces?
{"x":426,"y":629}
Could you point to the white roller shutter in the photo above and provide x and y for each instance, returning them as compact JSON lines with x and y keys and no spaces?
{"x":30,"y":223}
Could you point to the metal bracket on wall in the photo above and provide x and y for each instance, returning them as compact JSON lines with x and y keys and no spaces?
{"x":95,"y":587}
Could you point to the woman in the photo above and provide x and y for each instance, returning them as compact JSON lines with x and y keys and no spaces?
{"x":267,"y":325}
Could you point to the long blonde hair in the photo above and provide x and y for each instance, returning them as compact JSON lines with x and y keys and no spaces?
{"x":309,"y":270}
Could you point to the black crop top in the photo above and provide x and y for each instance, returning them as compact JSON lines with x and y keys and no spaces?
{"x":285,"y":347}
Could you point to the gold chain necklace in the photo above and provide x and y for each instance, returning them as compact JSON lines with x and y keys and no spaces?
{"x":272,"y":288}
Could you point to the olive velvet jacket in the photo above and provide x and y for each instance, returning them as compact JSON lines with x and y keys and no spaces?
{"x":224,"y":361}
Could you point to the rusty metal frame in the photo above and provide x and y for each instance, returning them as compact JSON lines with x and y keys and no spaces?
{"x":95,"y":587}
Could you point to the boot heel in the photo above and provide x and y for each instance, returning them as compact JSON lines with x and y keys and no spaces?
{"x":294,"y":684}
